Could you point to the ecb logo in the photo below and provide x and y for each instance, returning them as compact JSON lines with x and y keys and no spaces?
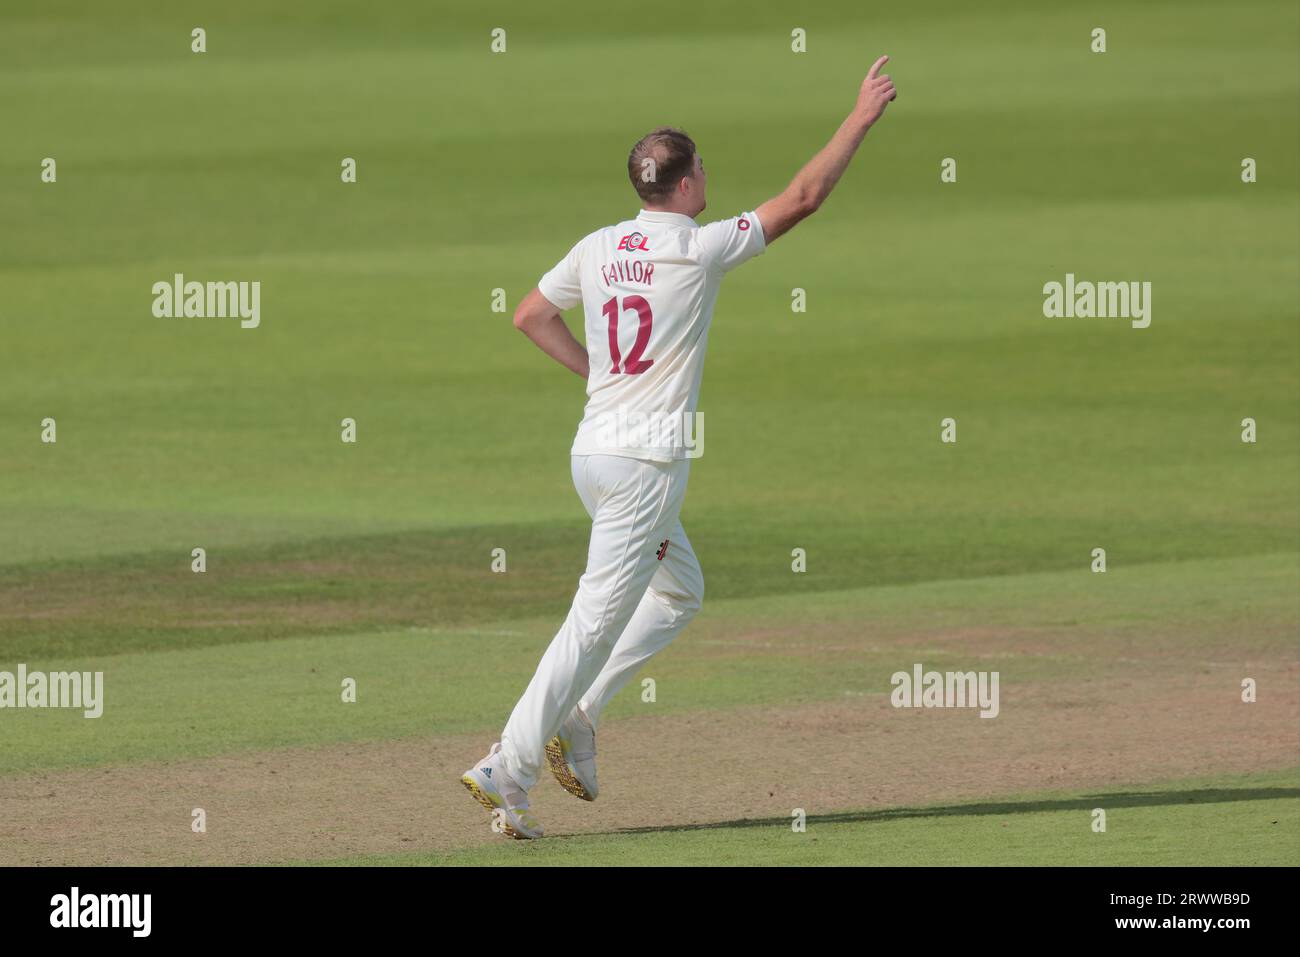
{"x":634,"y":242}
{"x":742,"y":224}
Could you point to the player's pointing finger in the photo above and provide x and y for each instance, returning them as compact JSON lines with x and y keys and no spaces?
{"x":875,"y":67}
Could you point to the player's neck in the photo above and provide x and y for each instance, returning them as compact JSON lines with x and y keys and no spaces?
{"x":669,"y":209}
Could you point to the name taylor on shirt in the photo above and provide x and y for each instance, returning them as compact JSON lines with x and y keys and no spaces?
{"x":628,"y":271}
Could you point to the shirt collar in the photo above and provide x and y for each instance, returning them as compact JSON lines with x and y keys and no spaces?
{"x":663,"y":216}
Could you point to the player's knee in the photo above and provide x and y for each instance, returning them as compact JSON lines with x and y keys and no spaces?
{"x":588,"y":621}
{"x":694,"y":596}
{"x":595,"y":636}
{"x":594,"y":641}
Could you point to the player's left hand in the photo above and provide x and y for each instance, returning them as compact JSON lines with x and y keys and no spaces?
{"x":877,"y":92}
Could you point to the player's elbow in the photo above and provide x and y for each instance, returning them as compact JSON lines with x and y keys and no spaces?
{"x":799,"y":204}
{"x":523,"y":318}
{"x":807,"y":203}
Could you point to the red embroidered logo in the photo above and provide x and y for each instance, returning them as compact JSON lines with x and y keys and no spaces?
{"x":663,"y":550}
{"x":742,"y":224}
{"x":633,"y":243}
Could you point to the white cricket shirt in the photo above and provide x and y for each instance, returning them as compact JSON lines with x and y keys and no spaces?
{"x":647,"y":288}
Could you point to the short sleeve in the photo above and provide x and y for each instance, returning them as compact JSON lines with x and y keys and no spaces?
{"x":562,"y":286}
{"x":729,"y":242}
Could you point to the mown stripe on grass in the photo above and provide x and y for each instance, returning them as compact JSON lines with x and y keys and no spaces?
{"x":1235,"y":617}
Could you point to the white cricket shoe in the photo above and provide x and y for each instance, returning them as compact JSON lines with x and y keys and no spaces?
{"x":505,"y":800}
{"x":571,"y":755}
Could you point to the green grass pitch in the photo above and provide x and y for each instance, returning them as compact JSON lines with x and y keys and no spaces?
{"x":476,"y":171}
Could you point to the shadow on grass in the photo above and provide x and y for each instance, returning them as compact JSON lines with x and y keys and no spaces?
{"x":1110,"y":801}
{"x":440,"y":577}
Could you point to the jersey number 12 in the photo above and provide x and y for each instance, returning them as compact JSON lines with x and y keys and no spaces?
{"x":633,"y":364}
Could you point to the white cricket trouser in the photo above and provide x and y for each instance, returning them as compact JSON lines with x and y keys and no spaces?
{"x":630,"y":603}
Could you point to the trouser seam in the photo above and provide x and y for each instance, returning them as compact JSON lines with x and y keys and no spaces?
{"x":600,"y":623}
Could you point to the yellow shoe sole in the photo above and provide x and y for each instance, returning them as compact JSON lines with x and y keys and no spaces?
{"x":485,"y":799}
{"x":560,"y":768}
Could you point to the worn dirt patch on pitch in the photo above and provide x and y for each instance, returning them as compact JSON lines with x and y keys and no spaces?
{"x":704,"y":767}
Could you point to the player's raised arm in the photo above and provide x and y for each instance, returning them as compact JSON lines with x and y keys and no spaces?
{"x":814,"y":182}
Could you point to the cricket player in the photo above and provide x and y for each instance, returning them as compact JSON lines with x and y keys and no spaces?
{"x":647,"y":287}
